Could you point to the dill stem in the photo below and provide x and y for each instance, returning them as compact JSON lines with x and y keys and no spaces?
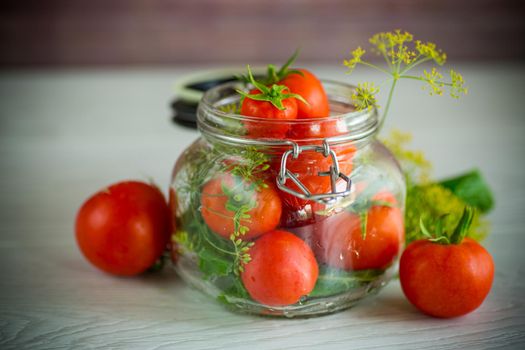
{"x":387,"y":107}
{"x":425,"y":80}
{"x":375,"y":67}
{"x":218,"y":248}
{"x":413,"y":77}
{"x":416,"y":63}
{"x":387,"y":60}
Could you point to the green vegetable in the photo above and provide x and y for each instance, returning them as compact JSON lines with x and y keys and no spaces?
{"x":213,"y":264}
{"x":431,"y":200}
{"x":472,"y":189}
{"x":219,"y":259}
{"x":332,"y":281}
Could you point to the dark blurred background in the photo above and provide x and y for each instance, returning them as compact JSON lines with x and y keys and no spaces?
{"x":56,"y":33}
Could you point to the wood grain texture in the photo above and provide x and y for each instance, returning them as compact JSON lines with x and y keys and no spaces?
{"x":64,"y":135}
{"x":165,"y":32}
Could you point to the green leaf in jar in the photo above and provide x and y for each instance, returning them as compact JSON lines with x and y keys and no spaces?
{"x":332,"y":281}
{"x":235,"y":290}
{"x":212,"y":263}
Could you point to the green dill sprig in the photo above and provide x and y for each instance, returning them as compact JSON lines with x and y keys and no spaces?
{"x":402,"y":54}
{"x":252,"y":166}
{"x":416,"y":167}
{"x":242,"y":255}
{"x":248,"y":166}
{"x":230,"y":108}
{"x":240,"y":202}
{"x":440,"y":203}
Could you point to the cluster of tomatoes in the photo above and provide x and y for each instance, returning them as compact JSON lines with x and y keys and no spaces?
{"x":289,"y":248}
{"x":126,"y":227}
{"x":285,"y":258}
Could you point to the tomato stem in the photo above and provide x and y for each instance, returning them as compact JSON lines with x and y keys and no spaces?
{"x":463,"y":226}
{"x":274,"y":94}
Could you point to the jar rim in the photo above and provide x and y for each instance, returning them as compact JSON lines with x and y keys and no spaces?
{"x":215,"y":122}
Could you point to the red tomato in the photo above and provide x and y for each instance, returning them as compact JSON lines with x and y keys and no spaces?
{"x":317,"y":129}
{"x":264,"y":109}
{"x":446,"y":280}
{"x":315,"y":184}
{"x":282,"y":269}
{"x":340,"y":242}
{"x":307,"y":167}
{"x":264,"y":216}
{"x":124,"y":228}
{"x":311,"y":89}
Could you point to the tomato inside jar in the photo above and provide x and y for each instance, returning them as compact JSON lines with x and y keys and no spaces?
{"x":286,"y":216}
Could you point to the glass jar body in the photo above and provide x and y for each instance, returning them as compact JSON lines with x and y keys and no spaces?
{"x":243,"y":239}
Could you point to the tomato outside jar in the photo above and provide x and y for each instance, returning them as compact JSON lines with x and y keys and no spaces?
{"x":303,"y":225}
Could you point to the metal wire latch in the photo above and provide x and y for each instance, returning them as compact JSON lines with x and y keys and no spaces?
{"x":333,"y":172}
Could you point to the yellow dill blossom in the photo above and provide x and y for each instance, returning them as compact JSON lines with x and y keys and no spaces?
{"x":416,"y":167}
{"x":364,"y":96}
{"x":430,"y":50}
{"x":356,"y":58}
{"x":427,"y":198}
{"x":458,"y":83}
{"x":393,"y":45}
{"x":231,"y":108}
{"x":402,"y":54}
{"x":433,"y":78}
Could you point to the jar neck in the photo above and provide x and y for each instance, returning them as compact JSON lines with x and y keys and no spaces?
{"x":218,"y":120}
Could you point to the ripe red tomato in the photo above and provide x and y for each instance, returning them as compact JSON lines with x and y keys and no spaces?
{"x":340,"y":242}
{"x":124,"y":228}
{"x":307,"y":167}
{"x":317,"y":129}
{"x":264,"y":216}
{"x":446,"y":280}
{"x":282,"y":269}
{"x":310,"y":88}
{"x":266,"y":110}
{"x":315,"y":184}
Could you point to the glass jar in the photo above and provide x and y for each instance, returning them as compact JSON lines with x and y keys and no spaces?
{"x":287,"y":218}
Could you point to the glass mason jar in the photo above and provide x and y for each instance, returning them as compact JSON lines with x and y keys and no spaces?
{"x":287,"y":218}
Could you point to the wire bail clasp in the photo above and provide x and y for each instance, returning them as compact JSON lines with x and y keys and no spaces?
{"x":334,"y":173}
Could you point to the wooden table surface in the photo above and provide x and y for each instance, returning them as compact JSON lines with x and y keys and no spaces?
{"x":66,"y":134}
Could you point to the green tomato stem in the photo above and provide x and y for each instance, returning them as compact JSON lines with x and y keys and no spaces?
{"x":463,"y":226}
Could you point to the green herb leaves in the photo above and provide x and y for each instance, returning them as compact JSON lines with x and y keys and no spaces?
{"x":221,"y":258}
{"x":332,"y":281}
{"x":439,"y":204}
{"x":471,"y":188}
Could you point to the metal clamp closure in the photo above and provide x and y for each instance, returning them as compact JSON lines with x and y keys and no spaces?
{"x":333,"y":172}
